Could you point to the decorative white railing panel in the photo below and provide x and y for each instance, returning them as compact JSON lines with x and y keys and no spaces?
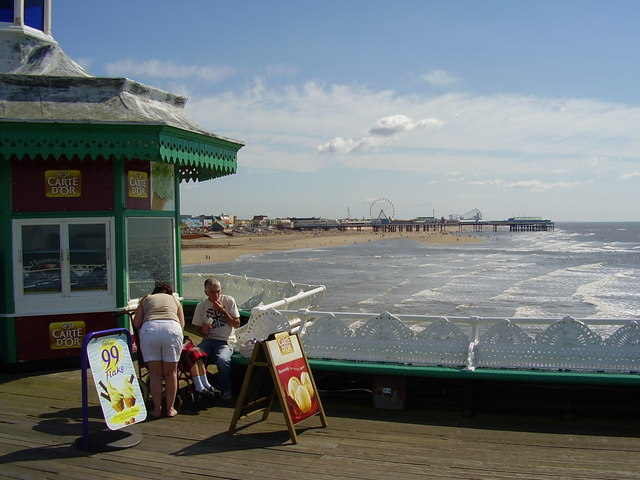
{"x":260,"y":327}
{"x":255,"y":292}
{"x":594,"y":345}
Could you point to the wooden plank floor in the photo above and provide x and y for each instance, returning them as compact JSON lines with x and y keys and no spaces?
{"x":40,"y":419}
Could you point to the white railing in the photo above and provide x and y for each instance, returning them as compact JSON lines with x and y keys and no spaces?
{"x":250,"y":292}
{"x":587,"y":344}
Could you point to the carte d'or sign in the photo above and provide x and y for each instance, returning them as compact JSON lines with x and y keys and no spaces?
{"x":66,"y":334}
{"x":138,"y":184}
{"x":62,"y":183}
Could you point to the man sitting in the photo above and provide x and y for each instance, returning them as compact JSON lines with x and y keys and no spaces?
{"x":218,"y":317}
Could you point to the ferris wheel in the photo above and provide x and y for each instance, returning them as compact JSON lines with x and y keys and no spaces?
{"x":382,"y":211}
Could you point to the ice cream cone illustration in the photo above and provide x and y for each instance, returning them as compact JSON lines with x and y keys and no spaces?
{"x":157,"y":202}
{"x":128,"y":393}
{"x":117,"y":399}
{"x":162,"y":176}
{"x":305,"y":380}
{"x":292,"y":386}
{"x":301,"y":393}
{"x":303,"y":399}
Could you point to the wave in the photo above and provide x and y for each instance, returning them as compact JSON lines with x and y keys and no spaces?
{"x":582,"y":270}
{"x":611,"y":296}
{"x":531,"y":287}
{"x":531,"y":311}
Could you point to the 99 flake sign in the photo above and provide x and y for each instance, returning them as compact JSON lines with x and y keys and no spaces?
{"x":117,"y":385}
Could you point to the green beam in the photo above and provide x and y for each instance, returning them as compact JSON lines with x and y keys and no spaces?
{"x":199,"y":157}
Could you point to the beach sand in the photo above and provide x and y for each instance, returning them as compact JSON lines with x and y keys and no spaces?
{"x":218,"y":248}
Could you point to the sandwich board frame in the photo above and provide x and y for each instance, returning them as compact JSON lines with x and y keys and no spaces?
{"x":279,"y":368}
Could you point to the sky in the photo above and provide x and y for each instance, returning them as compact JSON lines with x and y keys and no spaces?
{"x":509,"y":107}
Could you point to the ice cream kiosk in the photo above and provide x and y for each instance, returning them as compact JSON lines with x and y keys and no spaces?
{"x":89,"y":190}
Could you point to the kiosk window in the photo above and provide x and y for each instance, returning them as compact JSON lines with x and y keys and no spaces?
{"x":150,"y":254}
{"x":6,"y":11}
{"x":41,"y":253}
{"x":63,"y":263}
{"x":34,"y":14}
{"x":88,"y":257}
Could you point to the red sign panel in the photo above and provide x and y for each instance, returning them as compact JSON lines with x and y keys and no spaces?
{"x":62,"y":185}
{"x":293,"y":376}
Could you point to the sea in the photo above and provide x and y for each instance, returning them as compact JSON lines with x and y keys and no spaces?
{"x":586,"y":270}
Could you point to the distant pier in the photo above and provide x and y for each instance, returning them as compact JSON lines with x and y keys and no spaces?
{"x":475,"y":226}
{"x":515,"y":224}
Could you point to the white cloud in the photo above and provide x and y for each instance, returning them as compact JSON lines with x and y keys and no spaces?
{"x":627,"y":176}
{"x":439,"y":78}
{"x":161,"y":69}
{"x":531,"y":185}
{"x":481,"y":136}
{"x":281,"y":70}
{"x":381,"y":133}
{"x":348,"y":145}
{"x":395,"y":124}
{"x":538,"y":186}
{"x":488,"y":183}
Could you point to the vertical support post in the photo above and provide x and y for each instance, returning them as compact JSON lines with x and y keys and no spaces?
{"x":47,"y":17}
{"x":18,"y":13}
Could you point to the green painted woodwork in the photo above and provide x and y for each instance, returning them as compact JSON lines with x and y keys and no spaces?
{"x":178,"y":250}
{"x":119,"y":225}
{"x":7,"y":325}
{"x":199,"y":157}
{"x":485,"y":374}
{"x":6,"y":240}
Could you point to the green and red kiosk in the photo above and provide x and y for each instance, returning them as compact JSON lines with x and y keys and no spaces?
{"x":90,"y":169}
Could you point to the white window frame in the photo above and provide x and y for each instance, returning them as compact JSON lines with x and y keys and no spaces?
{"x":68,"y":300}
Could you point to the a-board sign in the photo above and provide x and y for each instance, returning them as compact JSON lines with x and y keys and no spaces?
{"x":117,"y":385}
{"x":294,"y":376}
{"x":279,"y":367}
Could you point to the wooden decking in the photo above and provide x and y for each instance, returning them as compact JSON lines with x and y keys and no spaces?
{"x":40,"y":419}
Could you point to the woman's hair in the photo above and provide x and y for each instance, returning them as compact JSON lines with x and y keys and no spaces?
{"x":163,"y":287}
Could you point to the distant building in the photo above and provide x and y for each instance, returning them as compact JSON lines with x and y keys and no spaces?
{"x":260,"y":221}
{"x":282,"y":223}
{"x":426,"y":220}
{"x":310,"y":223}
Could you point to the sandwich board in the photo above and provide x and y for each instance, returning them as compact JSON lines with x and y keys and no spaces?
{"x":279,"y":368}
{"x":108,"y":353}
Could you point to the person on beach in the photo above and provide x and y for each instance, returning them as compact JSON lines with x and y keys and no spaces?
{"x":218,"y":317}
{"x":159,"y":319}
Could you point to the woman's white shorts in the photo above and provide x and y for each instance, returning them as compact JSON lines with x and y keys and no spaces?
{"x":161,"y":340}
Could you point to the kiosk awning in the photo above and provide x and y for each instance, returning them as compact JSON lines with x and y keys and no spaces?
{"x":199,"y":157}
{"x":96,"y":117}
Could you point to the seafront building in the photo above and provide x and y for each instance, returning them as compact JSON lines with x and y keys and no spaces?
{"x":89,"y":189}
